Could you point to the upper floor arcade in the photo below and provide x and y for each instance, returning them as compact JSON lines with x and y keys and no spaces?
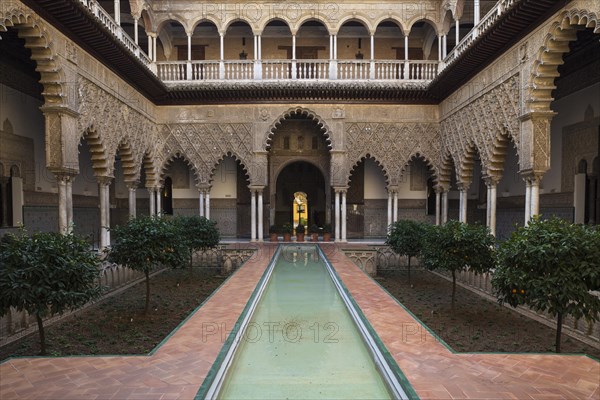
{"x":187,"y":44}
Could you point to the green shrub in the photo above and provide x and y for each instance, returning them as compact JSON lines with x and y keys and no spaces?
{"x":407,"y":238}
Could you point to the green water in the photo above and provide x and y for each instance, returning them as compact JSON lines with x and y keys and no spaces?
{"x":301,"y":341}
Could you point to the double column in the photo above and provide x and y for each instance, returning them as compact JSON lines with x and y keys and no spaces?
{"x":132,"y":197}
{"x":532,"y":196}
{"x":65,"y":201}
{"x":491,"y":182}
{"x":441,"y":205}
{"x":155,"y":201}
{"x":256,"y":213}
{"x":204,"y":201}
{"x":462,"y":208}
{"x":392,"y":214}
{"x":340,"y":213}
{"x":104,"y":196}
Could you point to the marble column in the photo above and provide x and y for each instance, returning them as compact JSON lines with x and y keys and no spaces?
{"x":491,"y":184}
{"x":252,"y":215}
{"x":207,"y":204}
{"x":159,"y":210}
{"x":475,"y":12}
{"x":337,"y":215}
{"x":201,"y":202}
{"x":152,"y":201}
{"x":462,"y":210}
{"x":457,"y":33}
{"x":69,"y":189}
{"x":444,"y":206}
{"x":136,"y":35}
{"x":344,"y":216}
{"x":535,"y":197}
{"x":104,"y":193}
{"x":438,"y":208}
{"x":132,"y":186}
{"x":395,"y":206}
{"x":259,"y":222}
{"x":390,"y":217}
{"x":63,"y":225}
{"x":118,"y":12}
{"x":527,"y":201}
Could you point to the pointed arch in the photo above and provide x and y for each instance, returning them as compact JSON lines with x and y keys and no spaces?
{"x":555,"y":44}
{"x":130,"y":172}
{"x":167,"y":163}
{"x":148,"y":163}
{"x":362,"y":158}
{"x":447,"y":165}
{"x":298,"y":111}
{"x":237,"y":159}
{"x":37,"y":38}
{"x":98,"y":152}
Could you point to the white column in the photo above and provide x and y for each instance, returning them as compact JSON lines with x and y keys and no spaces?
{"x":492,"y":208}
{"x":331,"y":47}
{"x":103,"y":194}
{"x":337,"y":215}
{"x":395,"y":207}
{"x":136,"y":35}
{"x":252,"y":215}
{"x":132,"y":199}
{"x":260,"y":233}
{"x":256,"y":47}
{"x":152,"y":201}
{"x":444,"y":206}
{"x":63,"y":225}
{"x":189,"y":46}
{"x":154,"y":48}
{"x":118,"y":12}
{"x":335,"y":56}
{"x":69,"y":188}
{"x":444,"y":46}
{"x":344,"y":216}
{"x":159,"y":210}
{"x":438,"y":207}
{"x":293,"y":47}
{"x":439,"y":39}
{"x":372,"y":47}
{"x":260,"y":47}
{"x":475,"y":12}
{"x":207,"y":204}
{"x":457,"y":33}
{"x":201,"y":201}
{"x":389,"y":210}
{"x":150,"y":56}
{"x":462,"y":213}
{"x":527,"y":200}
{"x":535,"y":196}
{"x":221,"y":56}
{"x":406,"y":48}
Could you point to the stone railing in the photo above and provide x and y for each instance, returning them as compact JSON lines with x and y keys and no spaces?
{"x":388,"y":70}
{"x":484,"y":24}
{"x":105,"y":19}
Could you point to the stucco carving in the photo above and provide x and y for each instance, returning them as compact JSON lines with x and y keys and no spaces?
{"x":204,"y":145}
{"x":477,"y":126}
{"x":392,"y":145}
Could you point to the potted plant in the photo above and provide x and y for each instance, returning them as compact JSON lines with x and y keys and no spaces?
{"x":327,"y":232}
{"x":300,"y":230}
{"x":273,"y":232}
{"x":314,"y":232}
{"x":287,"y":232}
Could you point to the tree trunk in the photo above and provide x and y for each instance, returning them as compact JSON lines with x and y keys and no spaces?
{"x":42,"y":335}
{"x":559,"y":322}
{"x":453,"y":287}
{"x":147,"y":273}
{"x":409,"y":270}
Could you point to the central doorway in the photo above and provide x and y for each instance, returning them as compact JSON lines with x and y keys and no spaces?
{"x":300,"y":177}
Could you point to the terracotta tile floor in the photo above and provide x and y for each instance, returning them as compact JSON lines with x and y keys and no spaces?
{"x":176,"y":370}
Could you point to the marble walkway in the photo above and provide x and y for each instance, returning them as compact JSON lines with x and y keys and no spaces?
{"x":178,"y":367}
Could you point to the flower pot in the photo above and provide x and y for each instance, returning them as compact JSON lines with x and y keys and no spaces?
{"x":300,"y":237}
{"x":287,"y":237}
{"x":274,"y":237}
{"x":326,"y":237}
{"x":314,"y":237}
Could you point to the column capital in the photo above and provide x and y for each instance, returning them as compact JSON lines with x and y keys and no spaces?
{"x":393,"y":189}
{"x":132,"y":185}
{"x":256,"y":188}
{"x":532,"y":176}
{"x":340,"y":189}
{"x":463,"y":186}
{"x":104,"y":180}
{"x":203,"y":187}
{"x":62,"y":175}
{"x":491,"y":180}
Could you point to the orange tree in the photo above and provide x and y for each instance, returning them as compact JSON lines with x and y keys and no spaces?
{"x":552,"y":266}
{"x":197,"y":234}
{"x":456,"y":247}
{"x":46,"y":274}
{"x":407,"y":238}
{"x":145,"y":243}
